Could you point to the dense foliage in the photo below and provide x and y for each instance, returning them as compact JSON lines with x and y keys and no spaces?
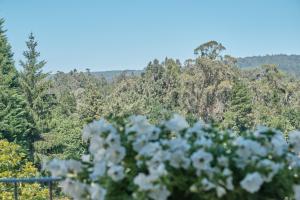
{"x":15,"y":121}
{"x":13,"y":163}
{"x":138,"y":160}
{"x":44,"y":113}
{"x":201,"y":88}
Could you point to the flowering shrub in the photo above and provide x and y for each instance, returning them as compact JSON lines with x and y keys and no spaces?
{"x":174,"y":160}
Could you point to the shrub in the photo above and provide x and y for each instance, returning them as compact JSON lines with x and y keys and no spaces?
{"x":138,"y":160}
{"x":13,"y":164}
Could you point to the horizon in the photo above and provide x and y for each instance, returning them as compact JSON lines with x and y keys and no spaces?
{"x":141,"y":69}
{"x":110,"y":36}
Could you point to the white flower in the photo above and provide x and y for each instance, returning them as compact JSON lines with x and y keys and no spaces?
{"x":294,"y":139}
{"x":220,"y":191}
{"x":227,"y":172}
{"x":115,"y":154}
{"x":145,"y":182}
{"x":229,"y":184}
{"x":260,"y":130}
{"x":97,"y":192}
{"x":248,"y":151}
{"x":271,"y":166}
{"x":96,"y":128}
{"x":113,"y":139}
{"x":99,"y":170}
{"x":154,"y":133}
{"x":116,"y":172}
{"x":207,"y":185}
{"x":73,"y":166}
{"x":156,"y":168}
{"x":296,"y":192}
{"x":223,"y":161}
{"x":138,"y":120}
{"x":203,"y":141}
{"x":160,"y":193}
{"x":279,"y":144}
{"x":75,"y":189}
{"x":201,"y":160}
{"x":250,"y":147}
{"x":57,"y":167}
{"x":178,"y":159}
{"x":293,"y":160}
{"x":140,"y":125}
{"x":252,"y":182}
{"x":196,"y":128}
{"x":177,"y":123}
{"x":86,"y":157}
{"x":150,"y":149}
{"x":89,"y":130}
{"x":96,"y":144}
{"x":139,"y":143}
{"x":178,"y":144}
{"x":194,"y":188}
{"x":99,"y":155}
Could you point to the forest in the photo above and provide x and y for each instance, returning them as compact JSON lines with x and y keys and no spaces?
{"x":42,"y":114}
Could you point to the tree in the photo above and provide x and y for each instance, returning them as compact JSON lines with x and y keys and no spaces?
{"x":211,"y":50}
{"x":239,"y":114}
{"x":35,"y":86}
{"x":205,"y":88}
{"x":15,"y":121}
{"x":8,"y":73}
{"x":229,"y":60}
{"x":63,"y":141}
{"x":276,"y":98}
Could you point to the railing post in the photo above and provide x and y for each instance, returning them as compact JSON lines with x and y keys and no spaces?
{"x":15,"y":190}
{"x":50,"y":190}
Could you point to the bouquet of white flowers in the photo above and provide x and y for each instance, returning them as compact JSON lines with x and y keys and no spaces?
{"x":138,"y":160}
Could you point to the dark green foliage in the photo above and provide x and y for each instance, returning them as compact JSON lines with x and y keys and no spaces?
{"x":15,"y":121}
{"x":63,"y":141}
{"x":239,"y":115}
{"x":35,"y":86}
{"x":8,"y":73}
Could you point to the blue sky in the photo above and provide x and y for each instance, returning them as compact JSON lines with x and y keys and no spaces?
{"x":118,"y":34}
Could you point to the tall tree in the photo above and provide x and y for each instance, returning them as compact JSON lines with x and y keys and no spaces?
{"x":8,"y":73}
{"x":211,"y":50}
{"x":15,"y":121}
{"x":35,"y":86}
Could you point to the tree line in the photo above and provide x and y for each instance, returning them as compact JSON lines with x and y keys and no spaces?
{"x":44,"y":114}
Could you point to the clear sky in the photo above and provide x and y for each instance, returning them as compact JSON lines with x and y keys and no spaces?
{"x":118,"y":34}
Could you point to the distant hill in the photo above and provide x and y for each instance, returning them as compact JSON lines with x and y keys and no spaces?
{"x":287,"y":63}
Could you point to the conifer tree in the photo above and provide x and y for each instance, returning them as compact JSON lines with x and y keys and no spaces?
{"x":239,"y":115}
{"x":15,"y":121}
{"x":8,"y":73}
{"x":35,"y":85}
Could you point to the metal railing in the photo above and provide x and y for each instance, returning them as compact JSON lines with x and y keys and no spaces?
{"x":15,"y":181}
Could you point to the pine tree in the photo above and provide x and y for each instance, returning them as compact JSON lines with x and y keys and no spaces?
{"x":8,"y":73}
{"x":35,"y":86}
{"x":239,"y":115}
{"x":15,"y":121}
